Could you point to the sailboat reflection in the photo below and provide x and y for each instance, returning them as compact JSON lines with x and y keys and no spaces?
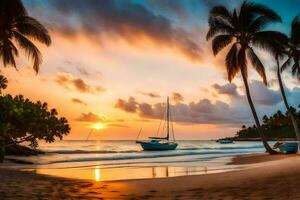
{"x":97,"y":174}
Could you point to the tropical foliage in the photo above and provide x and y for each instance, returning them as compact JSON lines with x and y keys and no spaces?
{"x":242,"y":29}
{"x":277,"y":126}
{"x":23,"y":120}
{"x":3,"y":83}
{"x":17,"y":29}
{"x":293,"y":49}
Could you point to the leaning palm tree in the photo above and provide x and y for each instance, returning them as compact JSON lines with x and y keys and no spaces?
{"x":3,"y":83}
{"x":293,"y":51}
{"x":291,"y":48}
{"x":242,"y":29}
{"x":17,"y":29}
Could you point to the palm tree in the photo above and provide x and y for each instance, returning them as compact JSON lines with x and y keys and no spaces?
{"x":242,"y":29}
{"x":291,"y":48}
{"x":17,"y":28}
{"x":3,"y":83}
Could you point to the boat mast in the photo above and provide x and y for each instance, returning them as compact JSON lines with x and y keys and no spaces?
{"x":168,"y":118}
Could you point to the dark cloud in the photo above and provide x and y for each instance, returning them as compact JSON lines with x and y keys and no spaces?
{"x":70,"y":82}
{"x":78,"y":101}
{"x":79,"y":69}
{"x":263,"y":95}
{"x":89,"y":117}
{"x":177,"y":97}
{"x":129,"y":106}
{"x":126,"y":19}
{"x":150,"y":94}
{"x":229,"y":89}
{"x":202,"y":112}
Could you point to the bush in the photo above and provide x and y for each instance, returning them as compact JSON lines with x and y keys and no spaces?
{"x":24,"y":121}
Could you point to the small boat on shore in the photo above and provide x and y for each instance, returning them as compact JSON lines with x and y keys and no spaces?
{"x":161,"y":143}
{"x":225,"y":141}
{"x":288,"y":147}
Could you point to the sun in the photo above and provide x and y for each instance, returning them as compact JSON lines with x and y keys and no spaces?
{"x":99,"y":126}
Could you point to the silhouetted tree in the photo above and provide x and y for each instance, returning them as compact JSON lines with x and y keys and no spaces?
{"x":3,"y":83}
{"x":17,"y":28}
{"x":290,"y":47}
{"x":24,"y":121}
{"x":242,"y":28}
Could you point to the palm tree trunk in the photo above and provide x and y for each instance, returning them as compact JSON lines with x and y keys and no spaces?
{"x":294,"y":122}
{"x":258,"y":127}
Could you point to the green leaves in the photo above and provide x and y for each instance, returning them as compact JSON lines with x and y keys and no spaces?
{"x":26,"y":121}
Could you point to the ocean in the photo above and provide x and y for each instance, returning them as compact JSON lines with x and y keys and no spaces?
{"x":120,"y":160}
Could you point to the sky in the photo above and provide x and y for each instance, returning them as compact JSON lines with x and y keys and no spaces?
{"x":115,"y":62}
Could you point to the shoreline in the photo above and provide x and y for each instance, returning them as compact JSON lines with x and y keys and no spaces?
{"x":269,"y":177}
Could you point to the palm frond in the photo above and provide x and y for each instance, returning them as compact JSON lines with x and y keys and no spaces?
{"x":220,"y":12}
{"x":231,"y":62}
{"x":219,"y":42}
{"x":272,"y":41}
{"x":259,"y":23}
{"x":286,"y":64}
{"x":30,"y":27}
{"x":30,"y":49}
{"x":219,"y":27}
{"x":256,"y":9}
{"x":295,"y":31}
{"x":257,"y":64}
{"x":8,"y":51}
{"x":242,"y":60}
{"x":296,"y":69}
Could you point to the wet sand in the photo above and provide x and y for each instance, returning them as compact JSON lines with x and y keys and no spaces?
{"x":266,"y":177}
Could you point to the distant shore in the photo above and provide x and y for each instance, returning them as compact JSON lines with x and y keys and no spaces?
{"x":265,"y":177}
{"x":258,"y":139}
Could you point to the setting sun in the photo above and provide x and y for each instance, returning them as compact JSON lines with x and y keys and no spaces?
{"x":99,"y":126}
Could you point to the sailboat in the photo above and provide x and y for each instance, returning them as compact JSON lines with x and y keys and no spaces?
{"x":160,"y":143}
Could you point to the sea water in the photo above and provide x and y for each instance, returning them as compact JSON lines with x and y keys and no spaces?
{"x":119,"y":160}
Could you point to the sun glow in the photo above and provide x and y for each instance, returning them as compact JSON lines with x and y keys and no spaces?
{"x":99,"y":126}
{"x":97,"y":174}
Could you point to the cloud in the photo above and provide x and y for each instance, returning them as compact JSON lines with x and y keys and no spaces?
{"x":89,"y":117}
{"x":68,"y":81}
{"x":229,"y":89}
{"x":177,"y":97}
{"x":261,"y":95}
{"x":264,"y":95}
{"x":128,"y":106}
{"x":118,"y":125}
{"x":128,"y":20}
{"x":78,"y":101}
{"x":150,"y":94}
{"x":202,"y":112}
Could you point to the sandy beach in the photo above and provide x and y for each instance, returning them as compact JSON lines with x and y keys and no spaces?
{"x":266,"y":177}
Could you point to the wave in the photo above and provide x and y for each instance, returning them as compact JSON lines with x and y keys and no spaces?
{"x":90,"y":151}
{"x":145,"y":156}
{"x":79,"y":151}
{"x":221,"y":148}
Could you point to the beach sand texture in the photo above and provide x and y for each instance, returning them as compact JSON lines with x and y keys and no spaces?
{"x":276,"y":179}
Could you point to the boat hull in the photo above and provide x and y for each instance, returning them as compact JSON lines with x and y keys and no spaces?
{"x":225,"y":141}
{"x":148,"y":146}
{"x":289,"y":147}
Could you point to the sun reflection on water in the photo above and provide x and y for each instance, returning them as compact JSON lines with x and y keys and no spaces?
{"x":97,"y":174}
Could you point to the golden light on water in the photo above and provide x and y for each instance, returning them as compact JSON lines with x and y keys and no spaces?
{"x":97,"y":174}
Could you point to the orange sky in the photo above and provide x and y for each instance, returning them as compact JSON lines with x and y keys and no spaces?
{"x":84,"y":76}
